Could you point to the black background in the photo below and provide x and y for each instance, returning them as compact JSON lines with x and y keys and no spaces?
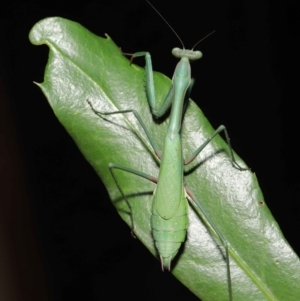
{"x":247,"y":80}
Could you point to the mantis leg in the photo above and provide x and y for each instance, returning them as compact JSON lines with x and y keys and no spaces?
{"x":138,"y":117}
{"x":201,"y":147}
{"x":112,"y":167}
{"x":208,"y":222}
{"x":157,"y":111}
{"x":187,"y":96}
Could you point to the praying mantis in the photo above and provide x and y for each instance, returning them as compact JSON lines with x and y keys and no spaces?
{"x":169,"y":220}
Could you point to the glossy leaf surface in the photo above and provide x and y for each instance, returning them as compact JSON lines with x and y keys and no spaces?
{"x":83,"y":66}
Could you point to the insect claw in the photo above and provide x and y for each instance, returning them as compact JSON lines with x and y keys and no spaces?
{"x":239,"y":167}
{"x":132,"y":234}
{"x":128,"y":54}
{"x":131,"y":59}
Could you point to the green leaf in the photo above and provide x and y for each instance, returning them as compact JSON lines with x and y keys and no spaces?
{"x":83,"y":66}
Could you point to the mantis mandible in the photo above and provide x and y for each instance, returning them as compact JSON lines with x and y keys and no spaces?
{"x":169,"y":220}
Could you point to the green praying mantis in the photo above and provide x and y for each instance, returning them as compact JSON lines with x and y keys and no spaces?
{"x":169,"y":219}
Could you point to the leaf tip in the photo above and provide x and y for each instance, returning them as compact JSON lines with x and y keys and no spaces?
{"x":41,"y":30}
